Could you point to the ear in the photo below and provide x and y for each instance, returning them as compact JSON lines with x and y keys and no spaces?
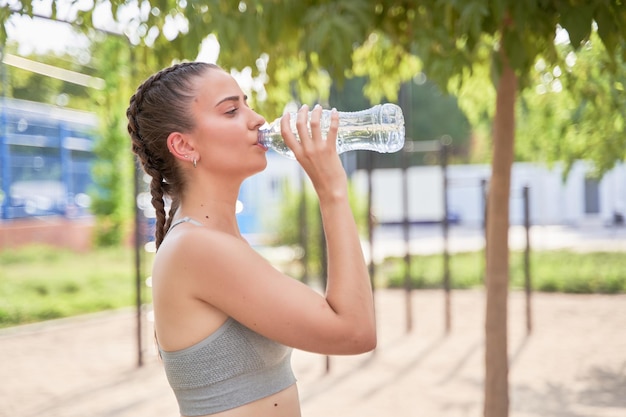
{"x":180,"y":147}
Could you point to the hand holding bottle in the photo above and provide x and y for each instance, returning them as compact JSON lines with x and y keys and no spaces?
{"x":316,"y":152}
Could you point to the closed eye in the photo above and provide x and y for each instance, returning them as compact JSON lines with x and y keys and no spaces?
{"x":235,"y":101}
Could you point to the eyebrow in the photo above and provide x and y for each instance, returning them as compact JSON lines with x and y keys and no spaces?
{"x":231,"y":98}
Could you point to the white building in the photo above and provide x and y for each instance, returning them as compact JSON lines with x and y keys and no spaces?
{"x":554,"y":200}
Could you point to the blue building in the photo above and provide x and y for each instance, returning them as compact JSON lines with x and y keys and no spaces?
{"x":46,"y":154}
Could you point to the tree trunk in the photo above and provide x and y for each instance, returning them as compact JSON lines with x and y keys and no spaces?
{"x":497,"y":276}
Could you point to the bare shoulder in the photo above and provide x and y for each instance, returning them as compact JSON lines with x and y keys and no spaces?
{"x":189,"y":237}
{"x":230,"y":276}
{"x":201,"y":258}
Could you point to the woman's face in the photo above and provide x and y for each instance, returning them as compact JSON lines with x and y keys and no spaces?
{"x":226,"y":129}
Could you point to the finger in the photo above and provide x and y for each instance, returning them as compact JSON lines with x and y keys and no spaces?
{"x":287,"y":132}
{"x":316,"y":129}
{"x":302,"y":124}
{"x":334,"y":126}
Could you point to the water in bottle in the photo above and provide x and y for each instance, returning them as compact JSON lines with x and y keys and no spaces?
{"x":379,"y":129}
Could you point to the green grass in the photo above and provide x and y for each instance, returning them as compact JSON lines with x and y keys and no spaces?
{"x":550,"y":271}
{"x":41,"y":283}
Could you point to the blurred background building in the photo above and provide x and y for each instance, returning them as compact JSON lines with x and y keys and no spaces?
{"x":46,"y":156}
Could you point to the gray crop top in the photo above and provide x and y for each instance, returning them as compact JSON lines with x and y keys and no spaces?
{"x":231,"y":367}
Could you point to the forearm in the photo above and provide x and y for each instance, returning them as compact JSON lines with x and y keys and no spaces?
{"x":348,"y":290}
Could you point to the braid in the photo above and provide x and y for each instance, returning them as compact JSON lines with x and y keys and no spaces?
{"x":159,"y":107}
{"x":158,"y":203}
{"x":173,"y":208}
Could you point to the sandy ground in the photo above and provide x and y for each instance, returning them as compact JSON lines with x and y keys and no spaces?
{"x":572,"y":364}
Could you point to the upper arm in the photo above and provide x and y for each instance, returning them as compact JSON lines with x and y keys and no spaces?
{"x":231,"y":276}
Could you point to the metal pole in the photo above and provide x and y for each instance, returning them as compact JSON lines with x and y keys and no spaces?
{"x":323,"y":267}
{"x":138,"y":243}
{"x":304,"y":232}
{"x":4,"y":146}
{"x":407,"y":242}
{"x":484,"y":194}
{"x":370,"y":224}
{"x":406,"y":102}
{"x":370,"y":220}
{"x":527,"y":277}
{"x":66,"y":166}
{"x":138,"y":273}
{"x":445,"y":230}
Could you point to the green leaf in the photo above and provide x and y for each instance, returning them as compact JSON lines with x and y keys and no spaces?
{"x":5,"y":13}
{"x":607,"y":27}
{"x":577,"y":21}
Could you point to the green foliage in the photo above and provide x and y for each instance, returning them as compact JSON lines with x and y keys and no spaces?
{"x":581,"y":103}
{"x":466,"y":271}
{"x":339,"y":37}
{"x":435,"y":114}
{"x":41,"y":282}
{"x":289,"y":228}
{"x":30,"y":254}
{"x":551,"y":271}
{"x":112,"y":201}
{"x":386,"y":65}
{"x":450,"y":35}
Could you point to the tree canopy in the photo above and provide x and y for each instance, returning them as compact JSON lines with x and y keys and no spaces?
{"x":575,"y":110}
{"x":297,"y":48}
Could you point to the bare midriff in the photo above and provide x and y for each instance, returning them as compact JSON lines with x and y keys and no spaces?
{"x":285,"y":403}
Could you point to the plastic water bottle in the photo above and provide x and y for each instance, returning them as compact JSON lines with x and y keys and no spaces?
{"x":379,"y":129}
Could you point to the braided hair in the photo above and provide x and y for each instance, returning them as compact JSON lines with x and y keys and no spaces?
{"x":159,"y":107}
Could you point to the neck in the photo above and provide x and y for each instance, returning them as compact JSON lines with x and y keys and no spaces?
{"x":212,"y":209}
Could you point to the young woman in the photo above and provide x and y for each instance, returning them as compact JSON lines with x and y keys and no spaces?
{"x":225,"y":318}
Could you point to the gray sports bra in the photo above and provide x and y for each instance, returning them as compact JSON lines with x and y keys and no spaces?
{"x":231,"y":367}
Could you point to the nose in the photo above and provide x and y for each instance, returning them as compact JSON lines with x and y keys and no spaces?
{"x":261,"y":120}
{"x":258,"y":120}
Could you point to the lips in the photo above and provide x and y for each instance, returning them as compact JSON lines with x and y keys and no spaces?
{"x":260,"y":141}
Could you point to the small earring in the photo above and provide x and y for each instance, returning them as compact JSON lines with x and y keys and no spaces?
{"x":195,"y":163}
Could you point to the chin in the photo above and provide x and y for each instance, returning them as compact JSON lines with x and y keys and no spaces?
{"x":259,"y":167}
{"x":264,"y":165}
